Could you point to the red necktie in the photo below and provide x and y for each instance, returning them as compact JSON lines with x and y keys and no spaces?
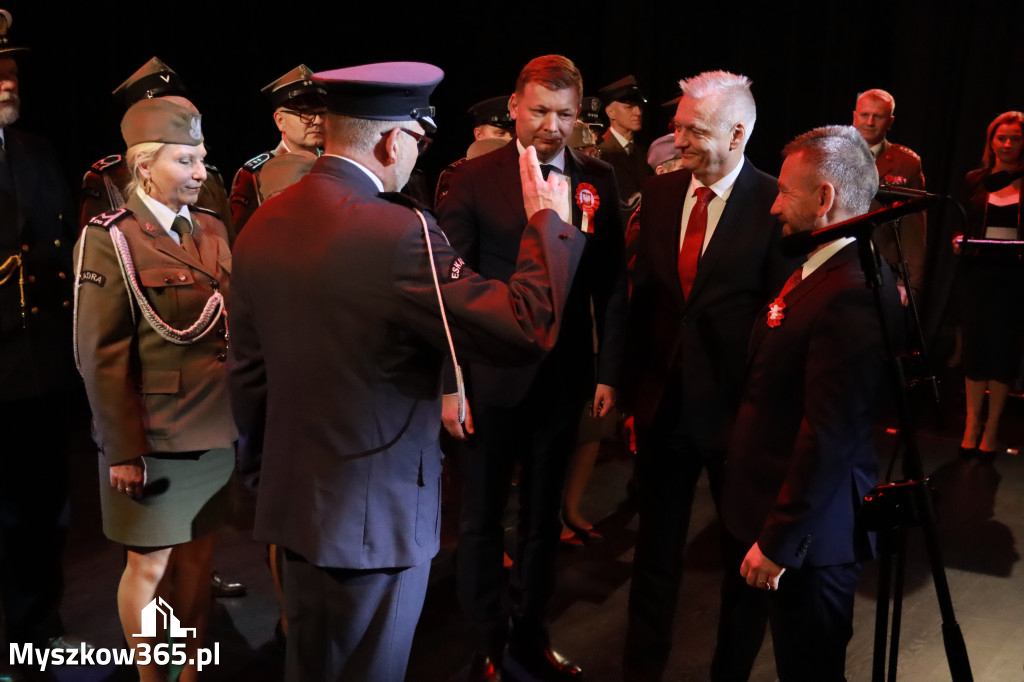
{"x":693,"y":240}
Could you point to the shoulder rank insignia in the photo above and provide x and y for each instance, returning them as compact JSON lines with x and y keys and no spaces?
{"x":252,"y":164}
{"x":102,"y":165}
{"x":906,"y":150}
{"x":110,"y":218}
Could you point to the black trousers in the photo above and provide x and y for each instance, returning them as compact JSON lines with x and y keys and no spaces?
{"x":33,"y":514}
{"x":669,"y":465}
{"x":539,"y":433}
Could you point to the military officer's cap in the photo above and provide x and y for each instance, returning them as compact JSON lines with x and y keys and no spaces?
{"x":672,"y":103}
{"x":173,"y":120}
{"x":389,"y":91}
{"x":492,"y":112}
{"x":153,"y":79}
{"x":7,"y":49}
{"x":590,"y":111}
{"x":484,"y":146}
{"x":582,"y":136}
{"x":297,"y":85}
{"x":622,"y":90}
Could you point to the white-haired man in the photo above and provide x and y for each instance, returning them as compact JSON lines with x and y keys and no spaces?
{"x":802,"y":454}
{"x":896,"y":165}
{"x":707,"y":261}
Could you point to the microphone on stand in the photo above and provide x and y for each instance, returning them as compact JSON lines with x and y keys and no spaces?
{"x":801,"y":243}
{"x":889,"y":193}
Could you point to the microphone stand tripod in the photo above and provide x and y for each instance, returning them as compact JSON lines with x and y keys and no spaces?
{"x":891,"y":508}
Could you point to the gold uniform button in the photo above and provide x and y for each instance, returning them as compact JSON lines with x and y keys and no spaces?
{"x":31,"y":278}
{"x":62,"y":275}
{"x":56,"y":242}
{"x":66,"y":304}
{"x":24,"y":247}
{"x":35,"y":310}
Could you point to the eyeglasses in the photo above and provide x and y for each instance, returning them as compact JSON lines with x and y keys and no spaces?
{"x":308,"y":117}
{"x":422,"y":141}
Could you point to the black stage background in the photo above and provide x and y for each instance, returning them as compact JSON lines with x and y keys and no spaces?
{"x":952,"y":66}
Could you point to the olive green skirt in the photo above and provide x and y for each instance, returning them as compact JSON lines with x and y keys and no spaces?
{"x":187,"y":495}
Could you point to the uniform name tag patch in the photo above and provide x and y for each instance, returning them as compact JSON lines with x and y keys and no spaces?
{"x":92,"y":277}
{"x":456,"y":270}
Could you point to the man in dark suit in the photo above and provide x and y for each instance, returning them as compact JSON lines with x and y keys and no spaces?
{"x":707,"y":261}
{"x":39,"y":388}
{"x":624,"y":106}
{"x":900,"y":166}
{"x":531,"y":414}
{"x":336,"y":366}
{"x":802,"y":454}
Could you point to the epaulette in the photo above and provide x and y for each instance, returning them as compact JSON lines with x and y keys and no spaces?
{"x":110,"y":218}
{"x":201,"y":209}
{"x":906,"y":150}
{"x":103,"y":164}
{"x":456,"y":164}
{"x":252,"y":164}
{"x":405,"y":200}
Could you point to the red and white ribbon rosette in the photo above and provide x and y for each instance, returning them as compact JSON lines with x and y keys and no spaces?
{"x":775,"y":314}
{"x":588,"y":201}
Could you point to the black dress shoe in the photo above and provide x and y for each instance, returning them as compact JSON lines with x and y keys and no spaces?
{"x":221,"y":587}
{"x":484,"y":669}
{"x":546,"y":664}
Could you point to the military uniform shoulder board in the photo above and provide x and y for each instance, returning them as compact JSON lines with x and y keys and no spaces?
{"x":456,"y":164}
{"x":200,"y":209}
{"x":252,"y":164}
{"x":104,"y":164}
{"x":404,"y":200}
{"x":906,"y":150}
{"x":110,"y":218}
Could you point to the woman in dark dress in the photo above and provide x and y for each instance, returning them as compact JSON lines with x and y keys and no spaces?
{"x":990,"y":293}
{"x":151,"y":339}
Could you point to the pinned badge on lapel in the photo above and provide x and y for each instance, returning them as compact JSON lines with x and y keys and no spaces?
{"x":588,"y":201}
{"x":775,"y":314}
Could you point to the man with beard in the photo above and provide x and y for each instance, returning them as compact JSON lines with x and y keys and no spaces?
{"x":336,"y":381}
{"x":298,"y":115}
{"x":39,"y":388}
{"x":802,"y":454}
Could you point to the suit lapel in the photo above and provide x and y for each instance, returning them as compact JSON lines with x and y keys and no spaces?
{"x":509,"y":181}
{"x":665,"y":241}
{"x":573,"y":170}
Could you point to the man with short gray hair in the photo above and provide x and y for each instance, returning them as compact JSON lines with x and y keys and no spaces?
{"x":802,"y":453}
{"x":899,"y":166}
{"x":707,"y":261}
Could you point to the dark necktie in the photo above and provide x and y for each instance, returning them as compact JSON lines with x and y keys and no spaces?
{"x":184,"y":229}
{"x":693,"y":240}
{"x":546,"y":168}
{"x":629,"y":148}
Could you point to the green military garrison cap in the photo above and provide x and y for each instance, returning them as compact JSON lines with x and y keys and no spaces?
{"x":153,"y":79}
{"x":173,"y":120}
{"x":6,"y":48}
{"x":297,"y":84}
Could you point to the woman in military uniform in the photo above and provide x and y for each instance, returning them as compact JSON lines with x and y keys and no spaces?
{"x":150,"y":340}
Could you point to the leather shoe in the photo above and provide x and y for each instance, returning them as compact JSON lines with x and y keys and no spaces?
{"x":221,"y":587}
{"x":546,"y":664}
{"x":484,"y":668}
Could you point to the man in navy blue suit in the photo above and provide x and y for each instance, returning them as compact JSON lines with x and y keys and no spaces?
{"x":337,"y":361}
{"x":802,"y":455}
